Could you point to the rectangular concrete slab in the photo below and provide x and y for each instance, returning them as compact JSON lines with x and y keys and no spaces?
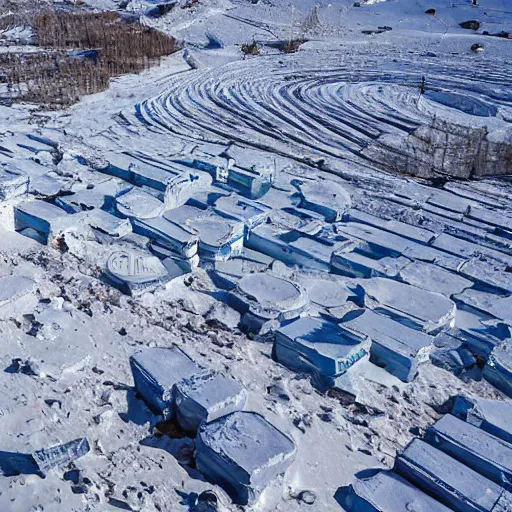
{"x":321,"y":348}
{"x":243,"y":453}
{"x":386,"y":492}
{"x":156,"y":371}
{"x":493,"y":416}
{"x":447,"y":479}
{"x":206,"y":397}
{"x":482,"y":452}
{"x":395,"y":347}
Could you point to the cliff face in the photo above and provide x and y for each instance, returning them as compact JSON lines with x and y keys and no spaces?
{"x":444,"y":148}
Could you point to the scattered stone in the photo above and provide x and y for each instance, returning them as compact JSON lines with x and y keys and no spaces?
{"x":471,"y":24}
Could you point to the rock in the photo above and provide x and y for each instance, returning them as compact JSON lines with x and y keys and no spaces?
{"x":307,"y":497}
{"x":223,"y":316}
{"x":471,"y":24}
{"x":242,"y":453}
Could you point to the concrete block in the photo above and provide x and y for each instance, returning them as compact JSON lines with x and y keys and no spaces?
{"x":243,"y":453}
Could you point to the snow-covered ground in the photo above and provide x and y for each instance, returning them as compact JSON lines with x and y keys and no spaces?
{"x":345,"y":110}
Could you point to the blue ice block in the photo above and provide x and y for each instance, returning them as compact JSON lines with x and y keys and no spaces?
{"x":422,"y":236}
{"x":397,"y":348}
{"x":243,"y":453}
{"x":168,"y":234}
{"x":138,"y":172}
{"x":42,"y":461}
{"x":251,"y":213}
{"x":409,"y":305}
{"x":356,"y":264}
{"x":325,"y":197}
{"x":482,"y":452}
{"x":155,"y":373}
{"x":12,"y":184}
{"x":292,"y":247}
{"x":493,"y":416}
{"x":498,"y":369}
{"x":138,"y":204}
{"x":264,"y":297}
{"x":433,"y":278}
{"x":100,"y":197}
{"x":206,"y":397}
{"x":250,"y":183}
{"x":219,"y":238}
{"x":447,"y":479}
{"x":386,"y":492}
{"x":39,"y":216}
{"x":321,"y":348}
{"x":134,"y":272}
{"x":49,"y":458}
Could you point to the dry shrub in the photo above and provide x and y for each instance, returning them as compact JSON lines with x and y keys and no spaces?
{"x":292,"y":45}
{"x":57,"y":77}
{"x":251,"y":48}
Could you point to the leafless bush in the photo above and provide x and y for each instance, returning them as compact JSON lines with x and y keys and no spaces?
{"x":291,"y":45}
{"x":251,"y":48}
{"x":82,"y":52}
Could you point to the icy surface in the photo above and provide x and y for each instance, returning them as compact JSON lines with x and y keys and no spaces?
{"x":218,"y":198}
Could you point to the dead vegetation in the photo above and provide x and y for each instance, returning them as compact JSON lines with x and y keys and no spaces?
{"x":251,"y":48}
{"x":79,"y":54}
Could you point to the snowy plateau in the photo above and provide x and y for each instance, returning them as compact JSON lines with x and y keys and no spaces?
{"x":256,"y":255}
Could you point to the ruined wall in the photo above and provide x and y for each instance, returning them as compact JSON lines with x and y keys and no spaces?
{"x":445,"y":149}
